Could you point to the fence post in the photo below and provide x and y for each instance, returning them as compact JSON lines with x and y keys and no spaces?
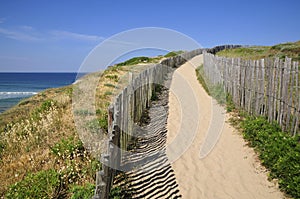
{"x":262,"y":87}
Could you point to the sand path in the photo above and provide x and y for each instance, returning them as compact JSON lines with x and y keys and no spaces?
{"x":231,"y":169}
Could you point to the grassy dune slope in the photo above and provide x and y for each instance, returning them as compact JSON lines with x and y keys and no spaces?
{"x":41,"y":153}
{"x":39,"y":144}
{"x":290,"y":49}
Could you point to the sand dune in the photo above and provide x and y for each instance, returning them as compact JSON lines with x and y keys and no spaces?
{"x":231,"y":169}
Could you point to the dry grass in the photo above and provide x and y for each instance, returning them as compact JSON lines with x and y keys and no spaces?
{"x":30,"y":131}
{"x":290,"y":49}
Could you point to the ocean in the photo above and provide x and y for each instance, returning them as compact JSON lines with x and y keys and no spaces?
{"x":17,"y":86}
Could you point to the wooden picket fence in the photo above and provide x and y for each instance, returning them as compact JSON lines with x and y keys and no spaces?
{"x":268,"y":87}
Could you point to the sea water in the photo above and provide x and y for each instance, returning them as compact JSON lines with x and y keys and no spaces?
{"x":17,"y":86}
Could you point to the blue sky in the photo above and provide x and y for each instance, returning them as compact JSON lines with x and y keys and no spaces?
{"x":58,"y":35}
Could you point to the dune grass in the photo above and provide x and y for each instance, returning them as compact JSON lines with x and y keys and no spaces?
{"x":291,"y":49}
{"x":40,"y":143}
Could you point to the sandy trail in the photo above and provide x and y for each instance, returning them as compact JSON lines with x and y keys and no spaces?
{"x":231,"y":169}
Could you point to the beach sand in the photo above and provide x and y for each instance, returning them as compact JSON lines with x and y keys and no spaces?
{"x":231,"y":169}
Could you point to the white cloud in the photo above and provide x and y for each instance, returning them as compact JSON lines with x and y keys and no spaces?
{"x":30,"y":34}
{"x":60,"y":34}
{"x":19,"y":35}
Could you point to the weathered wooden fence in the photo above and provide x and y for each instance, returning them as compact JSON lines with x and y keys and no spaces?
{"x":268,"y":87}
{"x":127,"y":109}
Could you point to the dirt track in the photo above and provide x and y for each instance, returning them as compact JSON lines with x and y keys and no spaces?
{"x":231,"y":169}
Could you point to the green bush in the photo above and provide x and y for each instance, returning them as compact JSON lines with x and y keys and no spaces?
{"x":108,"y":93}
{"x":155,"y":93}
{"x":44,"y":184}
{"x":44,"y":107}
{"x":116,"y":193}
{"x":229,"y":103}
{"x":110,"y":85}
{"x":201,"y":78}
{"x":103,"y":116}
{"x":135,"y":60}
{"x":216,"y":91}
{"x":2,"y":147}
{"x":82,"y":192}
{"x":278,"y":151}
{"x":173,"y":53}
{"x":67,"y":148}
{"x":113,"y":77}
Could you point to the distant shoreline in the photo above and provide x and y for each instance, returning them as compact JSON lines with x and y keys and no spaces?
{"x":16,"y":86}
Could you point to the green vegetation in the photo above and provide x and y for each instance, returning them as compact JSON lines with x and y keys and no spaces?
{"x":173,"y":53}
{"x":44,"y":107}
{"x":216,"y":91}
{"x":157,"y":90}
{"x":72,"y":166}
{"x":103,"y":119}
{"x":202,"y":79}
{"x":67,"y":148}
{"x":43,"y":184}
{"x":110,"y":85}
{"x":108,"y":93}
{"x":278,"y":152}
{"x":115,"y":193}
{"x":82,"y":192}
{"x":41,"y":153}
{"x":25,"y":108}
{"x":39,"y":141}
{"x":290,"y":49}
{"x":121,"y":191}
{"x":138,"y":60}
{"x":115,"y":78}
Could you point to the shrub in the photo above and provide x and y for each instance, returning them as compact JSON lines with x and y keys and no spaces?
{"x":278,"y":151}
{"x":135,"y":60}
{"x":201,"y":79}
{"x":173,"y":53}
{"x":110,"y":85}
{"x":44,"y":184}
{"x":44,"y":107}
{"x":67,"y":148}
{"x":116,"y":193}
{"x":157,"y":90}
{"x":113,"y":77}
{"x":103,"y":116}
{"x":82,"y":192}
{"x":108,"y":93}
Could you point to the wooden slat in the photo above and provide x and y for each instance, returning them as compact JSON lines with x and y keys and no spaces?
{"x":270,"y":88}
{"x":264,"y":87}
{"x":286,"y":92}
{"x":290,"y":100}
{"x":297,"y":114}
{"x":276,"y":76}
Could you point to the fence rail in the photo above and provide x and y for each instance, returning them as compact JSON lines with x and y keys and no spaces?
{"x":127,"y":109}
{"x":268,"y":87}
